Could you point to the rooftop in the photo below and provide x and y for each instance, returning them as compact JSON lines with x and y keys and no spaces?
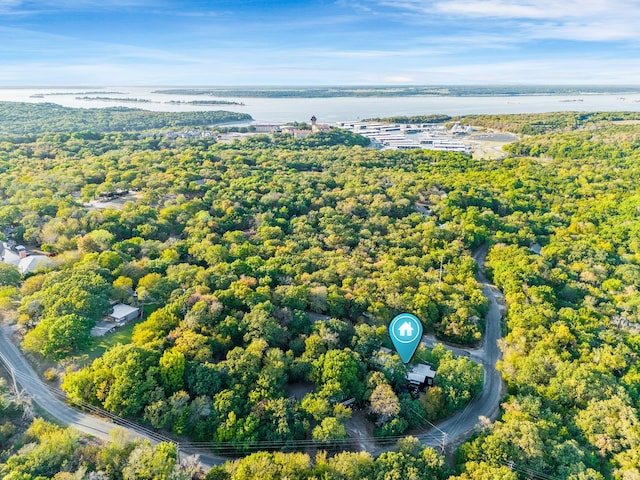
{"x":420,"y":372}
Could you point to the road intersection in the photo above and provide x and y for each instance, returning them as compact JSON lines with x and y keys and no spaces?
{"x":451,"y":431}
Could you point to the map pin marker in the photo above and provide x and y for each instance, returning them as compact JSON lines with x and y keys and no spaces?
{"x":406,"y":332}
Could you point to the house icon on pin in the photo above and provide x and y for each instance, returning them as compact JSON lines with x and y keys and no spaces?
{"x":405,"y":330}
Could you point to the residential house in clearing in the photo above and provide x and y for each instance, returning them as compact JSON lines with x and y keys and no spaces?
{"x":121,"y":315}
{"x":421,"y":376}
{"x":19,"y":257}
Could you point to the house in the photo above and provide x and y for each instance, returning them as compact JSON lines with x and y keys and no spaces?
{"x":405,"y":330}
{"x":9,"y":255}
{"x":421,"y":376}
{"x":20,"y":258}
{"x":122,"y":313}
{"x":34,"y":262}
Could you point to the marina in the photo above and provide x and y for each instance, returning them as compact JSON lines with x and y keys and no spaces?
{"x":430,"y":136}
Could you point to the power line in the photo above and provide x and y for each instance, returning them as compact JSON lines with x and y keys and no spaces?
{"x":228,"y":447}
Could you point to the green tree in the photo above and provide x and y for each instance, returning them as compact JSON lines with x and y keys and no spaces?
{"x":329,"y":430}
{"x":59,"y":336}
{"x":151,"y":462}
{"x":484,"y":471}
{"x":172,"y":369}
{"x":154,"y":288}
{"x":340,"y":373}
{"x":9,"y":275}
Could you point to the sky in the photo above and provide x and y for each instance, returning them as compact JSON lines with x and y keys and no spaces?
{"x":340,"y":42}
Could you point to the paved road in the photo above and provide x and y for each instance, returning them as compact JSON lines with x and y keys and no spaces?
{"x":39,"y":393}
{"x":51,"y":401}
{"x":460,"y":426}
{"x":457,"y":428}
{"x":487,"y":404}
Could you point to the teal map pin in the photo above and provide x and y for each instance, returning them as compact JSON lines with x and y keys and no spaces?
{"x":406,"y":332}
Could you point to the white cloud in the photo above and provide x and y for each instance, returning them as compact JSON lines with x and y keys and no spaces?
{"x":9,"y":7}
{"x":592,"y":20}
{"x":539,"y":9}
{"x":519,"y":9}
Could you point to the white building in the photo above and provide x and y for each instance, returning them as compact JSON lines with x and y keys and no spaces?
{"x":421,"y":376}
{"x":20,"y":258}
{"x":120,"y":315}
{"x":123,"y":313}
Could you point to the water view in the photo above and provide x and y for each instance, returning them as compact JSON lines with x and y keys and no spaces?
{"x":328,"y":110}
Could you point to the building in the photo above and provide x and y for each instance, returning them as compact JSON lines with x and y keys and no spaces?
{"x":19,"y":257}
{"x":421,"y":376}
{"x":34,"y":262}
{"x":9,"y":254}
{"x":389,"y":136}
{"x":315,"y":127}
{"x":122,"y":313}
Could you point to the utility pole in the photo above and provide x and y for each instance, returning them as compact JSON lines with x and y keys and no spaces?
{"x":444,"y":442}
{"x":178,"y":453}
{"x":15,"y":383}
{"x":11,"y":372}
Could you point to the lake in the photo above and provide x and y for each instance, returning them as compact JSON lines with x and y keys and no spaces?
{"x":328,"y":110}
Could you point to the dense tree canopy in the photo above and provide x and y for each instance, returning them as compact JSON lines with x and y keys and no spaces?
{"x":269,"y":269}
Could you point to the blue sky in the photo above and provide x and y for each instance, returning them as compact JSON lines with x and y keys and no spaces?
{"x":341,"y":42}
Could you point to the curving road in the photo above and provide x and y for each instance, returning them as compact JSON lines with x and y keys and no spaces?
{"x":450,"y":431}
{"x":461,"y":425}
{"x":52,"y":401}
{"x":487,"y":404}
{"x":27,"y":378}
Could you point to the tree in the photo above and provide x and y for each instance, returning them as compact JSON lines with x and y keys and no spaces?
{"x":329,"y":430}
{"x":59,"y":336}
{"x":460,"y":380}
{"x":122,"y":380}
{"x":147,"y":462}
{"x":484,"y":471}
{"x":346,"y":465}
{"x":9,"y":275}
{"x":400,"y":465}
{"x":154,"y":288}
{"x":50,"y":449}
{"x":384,"y":402}
{"x":172,"y":368}
{"x":341,"y":371}
{"x":610,"y":425}
{"x":267,"y":466}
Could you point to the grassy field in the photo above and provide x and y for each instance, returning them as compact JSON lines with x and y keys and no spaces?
{"x":121,"y":335}
{"x":102,"y":344}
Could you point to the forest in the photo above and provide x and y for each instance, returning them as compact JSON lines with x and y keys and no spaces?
{"x":399,"y":91}
{"x":37,"y":118}
{"x":268,"y":269}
